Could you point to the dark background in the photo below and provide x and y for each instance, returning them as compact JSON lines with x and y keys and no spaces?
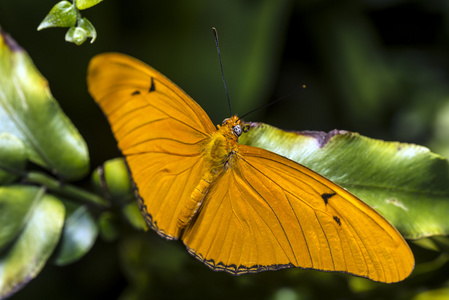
{"x":378,"y":67}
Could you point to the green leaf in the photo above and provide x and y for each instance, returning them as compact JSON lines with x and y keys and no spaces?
{"x":30,"y":251}
{"x":109,"y":226}
{"x":79,"y":235}
{"x":113,"y":181}
{"x":12,"y":158}
{"x":16,"y":203}
{"x":83,"y":4}
{"x":88,"y":28}
{"x":433,"y":294}
{"x":406,"y":183}
{"x":427,"y":243}
{"x":132,"y":214}
{"x":29,"y":111}
{"x":63,"y":14}
{"x":441,"y":242}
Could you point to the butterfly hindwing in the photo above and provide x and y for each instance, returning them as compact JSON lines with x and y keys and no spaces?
{"x":267,"y":212}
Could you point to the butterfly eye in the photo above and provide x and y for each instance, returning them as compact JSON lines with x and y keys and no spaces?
{"x":237,"y":130}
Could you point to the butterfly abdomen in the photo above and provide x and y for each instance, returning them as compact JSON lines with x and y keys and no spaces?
{"x":194,"y":202}
{"x":216,"y":155}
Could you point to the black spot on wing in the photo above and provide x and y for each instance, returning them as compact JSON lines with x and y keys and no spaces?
{"x":337,"y":219}
{"x":327,"y":196}
{"x":135,"y":93}
{"x":152,"y":87}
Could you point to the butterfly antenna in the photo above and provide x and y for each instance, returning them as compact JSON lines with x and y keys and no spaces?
{"x":275,"y":101}
{"x":221,"y":67}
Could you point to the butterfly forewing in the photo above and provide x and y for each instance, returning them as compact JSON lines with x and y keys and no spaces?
{"x":160,"y":130}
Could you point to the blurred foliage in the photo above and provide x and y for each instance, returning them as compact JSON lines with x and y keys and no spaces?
{"x":375,"y":67}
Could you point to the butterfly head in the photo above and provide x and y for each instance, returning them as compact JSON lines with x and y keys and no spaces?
{"x":233,"y":124}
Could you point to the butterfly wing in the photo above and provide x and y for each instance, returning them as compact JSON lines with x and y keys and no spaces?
{"x":160,"y":130}
{"x":267,"y":213}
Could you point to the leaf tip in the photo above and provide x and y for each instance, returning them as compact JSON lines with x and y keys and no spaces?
{"x":41,"y":26}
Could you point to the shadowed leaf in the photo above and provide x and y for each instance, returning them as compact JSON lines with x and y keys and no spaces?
{"x":79,"y":235}
{"x":30,"y":251}
{"x":16,"y":205}
{"x":12,"y":158}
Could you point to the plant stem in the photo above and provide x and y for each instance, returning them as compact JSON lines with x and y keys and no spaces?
{"x":78,"y":14}
{"x":65,"y":189}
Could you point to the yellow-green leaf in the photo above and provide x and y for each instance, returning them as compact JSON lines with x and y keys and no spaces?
{"x":63,"y":14}
{"x":29,"y":111}
{"x":83,"y":4}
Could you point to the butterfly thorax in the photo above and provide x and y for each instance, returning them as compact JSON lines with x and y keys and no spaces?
{"x":217,"y":155}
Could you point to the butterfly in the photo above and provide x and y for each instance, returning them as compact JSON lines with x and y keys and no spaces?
{"x":237,"y":208}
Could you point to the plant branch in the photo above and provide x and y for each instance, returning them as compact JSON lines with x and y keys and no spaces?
{"x":65,"y":189}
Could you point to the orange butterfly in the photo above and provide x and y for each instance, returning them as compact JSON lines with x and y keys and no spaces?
{"x":237,"y":208}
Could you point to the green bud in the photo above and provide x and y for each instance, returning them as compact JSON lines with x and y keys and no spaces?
{"x":89,"y":28}
{"x":113,"y":181}
{"x":76,"y":35}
